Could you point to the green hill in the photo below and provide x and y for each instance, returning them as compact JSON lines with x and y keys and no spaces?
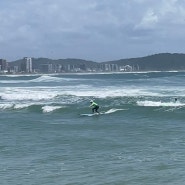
{"x":157,"y":62}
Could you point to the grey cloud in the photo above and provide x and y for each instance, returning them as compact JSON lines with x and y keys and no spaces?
{"x":90,"y":29}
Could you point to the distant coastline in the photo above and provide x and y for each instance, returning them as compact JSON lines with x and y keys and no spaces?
{"x":156,"y":62}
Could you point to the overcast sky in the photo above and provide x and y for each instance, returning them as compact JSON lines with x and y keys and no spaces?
{"x":98,"y":30}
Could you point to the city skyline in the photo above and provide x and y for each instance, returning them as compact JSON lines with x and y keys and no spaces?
{"x":157,"y":62}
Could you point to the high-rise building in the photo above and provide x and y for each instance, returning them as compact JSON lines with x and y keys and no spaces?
{"x":27,"y":65}
{"x":3,"y":65}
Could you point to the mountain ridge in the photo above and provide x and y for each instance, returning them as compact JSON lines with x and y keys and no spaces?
{"x":155,"y":62}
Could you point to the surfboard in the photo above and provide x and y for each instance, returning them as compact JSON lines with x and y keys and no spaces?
{"x":113,"y":110}
{"x":95,"y":114}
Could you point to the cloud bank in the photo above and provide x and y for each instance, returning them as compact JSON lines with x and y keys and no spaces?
{"x":98,"y":30}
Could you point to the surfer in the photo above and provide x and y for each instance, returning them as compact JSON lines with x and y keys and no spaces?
{"x":94,"y":106}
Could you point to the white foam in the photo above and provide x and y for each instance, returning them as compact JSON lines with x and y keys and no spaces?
{"x":15,"y":105}
{"x":112,"y":111}
{"x":48,"y":93}
{"x":159,"y":104}
{"x":43,"y":78}
{"x":48,"y":108}
{"x":110,"y":92}
{"x":36,"y":94}
{"x":39,"y":93}
{"x":6,"y":106}
{"x":46,"y":78}
{"x":22,"y":106}
{"x":50,"y":78}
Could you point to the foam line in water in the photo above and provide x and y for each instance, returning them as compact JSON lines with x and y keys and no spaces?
{"x":46,"y":78}
{"x":22,"y":106}
{"x":6,"y":106}
{"x":27,"y":94}
{"x":49,"y":108}
{"x":112,"y":111}
{"x":48,"y":92}
{"x":15,"y":106}
{"x":43,"y":78}
{"x":159,"y":104}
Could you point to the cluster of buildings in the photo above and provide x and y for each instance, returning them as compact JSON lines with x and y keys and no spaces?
{"x":25,"y":66}
{"x":3,"y":66}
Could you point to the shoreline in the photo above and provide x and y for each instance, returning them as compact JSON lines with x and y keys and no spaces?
{"x":87,"y":73}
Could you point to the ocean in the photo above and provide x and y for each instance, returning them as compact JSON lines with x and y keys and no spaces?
{"x":49,"y":137}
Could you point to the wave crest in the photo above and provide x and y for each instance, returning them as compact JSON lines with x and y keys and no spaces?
{"x":159,"y":104}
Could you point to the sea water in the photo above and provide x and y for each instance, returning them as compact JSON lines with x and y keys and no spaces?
{"x":139,"y":138}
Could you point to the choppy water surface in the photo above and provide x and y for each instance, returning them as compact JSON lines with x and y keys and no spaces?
{"x":138,"y":139}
